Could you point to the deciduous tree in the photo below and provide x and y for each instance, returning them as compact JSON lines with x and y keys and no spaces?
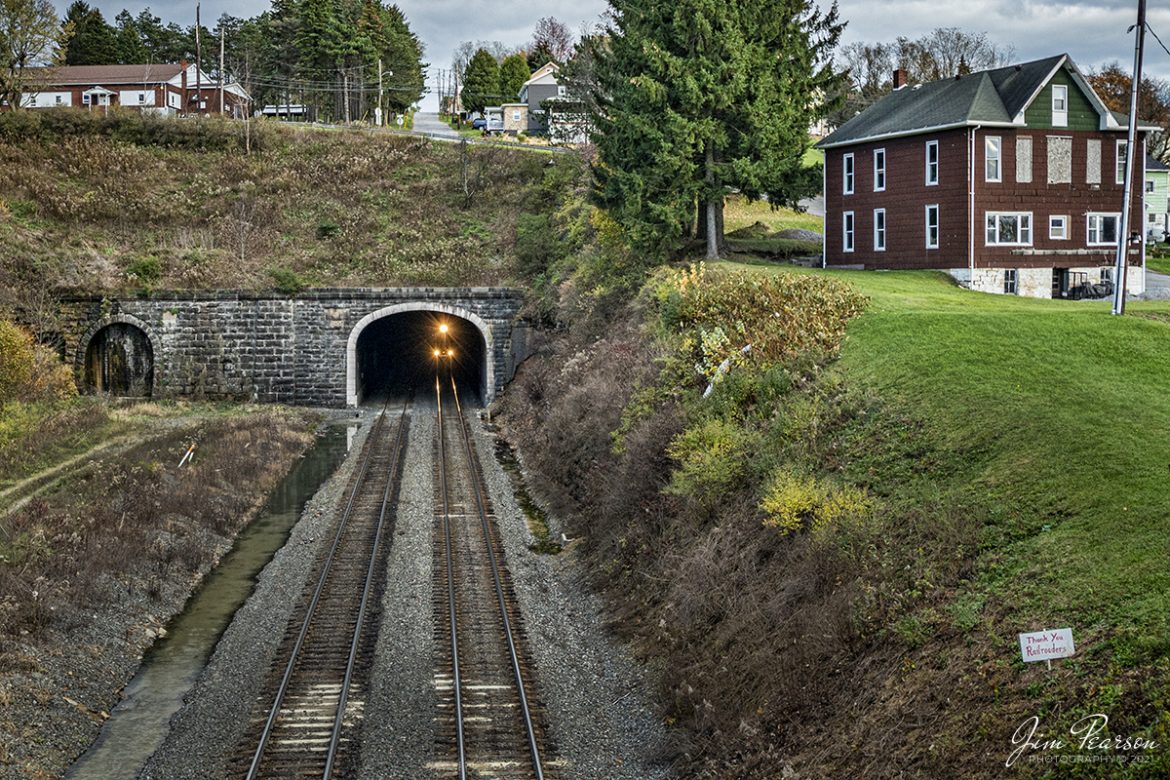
{"x":1113,"y":84}
{"x":30,"y":35}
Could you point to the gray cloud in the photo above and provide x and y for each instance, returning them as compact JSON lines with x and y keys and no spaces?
{"x":1093,"y":32}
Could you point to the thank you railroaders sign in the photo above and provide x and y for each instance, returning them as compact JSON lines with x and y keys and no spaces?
{"x":1047,"y":645}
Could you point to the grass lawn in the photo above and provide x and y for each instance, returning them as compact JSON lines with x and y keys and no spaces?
{"x":738,"y":213}
{"x":1159,"y":262}
{"x":1063,"y":415}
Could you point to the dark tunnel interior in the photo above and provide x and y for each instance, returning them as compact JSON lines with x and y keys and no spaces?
{"x":397,"y":355}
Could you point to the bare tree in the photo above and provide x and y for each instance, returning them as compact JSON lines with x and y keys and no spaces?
{"x":554,"y":38}
{"x":948,"y":51}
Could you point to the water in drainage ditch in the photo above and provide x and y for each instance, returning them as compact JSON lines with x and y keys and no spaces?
{"x":139,"y":723}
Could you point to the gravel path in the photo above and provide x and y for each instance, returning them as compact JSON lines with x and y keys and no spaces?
{"x":219,"y":706}
{"x":398,"y":733}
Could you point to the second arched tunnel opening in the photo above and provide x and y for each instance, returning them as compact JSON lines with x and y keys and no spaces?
{"x":401,"y":353}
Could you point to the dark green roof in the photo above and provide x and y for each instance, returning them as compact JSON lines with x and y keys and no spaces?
{"x":987,"y":97}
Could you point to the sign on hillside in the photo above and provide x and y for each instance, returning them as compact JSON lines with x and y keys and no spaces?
{"x":1046,"y":645}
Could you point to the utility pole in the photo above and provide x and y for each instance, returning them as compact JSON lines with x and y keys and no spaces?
{"x":378,"y":115}
{"x":198,"y":62}
{"x":221,"y":67}
{"x":1130,"y":159}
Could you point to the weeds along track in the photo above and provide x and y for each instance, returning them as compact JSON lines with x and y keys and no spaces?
{"x":309,"y":717}
{"x":489,"y":724}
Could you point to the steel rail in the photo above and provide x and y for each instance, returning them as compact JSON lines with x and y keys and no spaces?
{"x":480,"y":505}
{"x":368,"y":586}
{"x":274,"y":713}
{"x":456,"y":680}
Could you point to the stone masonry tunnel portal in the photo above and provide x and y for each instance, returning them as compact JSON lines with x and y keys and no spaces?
{"x":401,"y":353}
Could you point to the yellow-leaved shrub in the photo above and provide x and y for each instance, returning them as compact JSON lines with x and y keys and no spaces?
{"x":794,"y":502}
{"x":30,"y":371}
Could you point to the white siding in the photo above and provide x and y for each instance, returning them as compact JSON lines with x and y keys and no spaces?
{"x":136,"y":97}
{"x":46,"y":99}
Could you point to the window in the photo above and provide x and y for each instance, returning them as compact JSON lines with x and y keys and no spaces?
{"x":932,"y":162}
{"x":847,"y":232}
{"x":932,"y":227}
{"x":1008,"y":228}
{"x":85,"y":99}
{"x":1059,"y":105}
{"x":1149,"y":185}
{"x":58,"y":99}
{"x":1106,"y":274}
{"x":1058,"y":228}
{"x":991,"y":158}
{"x":1103,"y":229}
{"x":879,"y":170}
{"x":32,"y":101}
{"x":141,"y":98}
{"x":560,"y":91}
{"x":516,"y":115}
{"x":847,"y":174}
{"x":1059,"y":159}
{"x":1121,"y":161}
{"x":1093,"y":161}
{"x":1009,"y":281}
{"x":879,"y":230}
{"x":1024,"y":159}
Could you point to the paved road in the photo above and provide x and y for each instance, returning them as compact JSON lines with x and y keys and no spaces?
{"x":1157,"y":285}
{"x":431,"y":125}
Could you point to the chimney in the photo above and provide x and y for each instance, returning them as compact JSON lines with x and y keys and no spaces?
{"x":899,"y":78}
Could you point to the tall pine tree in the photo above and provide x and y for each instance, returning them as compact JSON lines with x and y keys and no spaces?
{"x":481,"y":82}
{"x":93,"y":42}
{"x":513,"y":73}
{"x":699,"y":96}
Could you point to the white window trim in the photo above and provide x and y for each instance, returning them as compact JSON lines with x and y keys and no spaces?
{"x":998,"y":158}
{"x":1017,"y":215}
{"x":932,"y":182}
{"x":1064,"y":223}
{"x":879,"y":171}
{"x":848,"y":173}
{"x":1119,"y":160}
{"x":879,"y":246}
{"x":1088,"y":227}
{"x":1059,"y":116}
{"x":937,"y":226}
{"x":848,"y":231}
{"x":1014,"y":275}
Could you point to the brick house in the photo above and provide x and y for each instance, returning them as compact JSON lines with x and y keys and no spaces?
{"x":1009,"y":179}
{"x":162,"y":89}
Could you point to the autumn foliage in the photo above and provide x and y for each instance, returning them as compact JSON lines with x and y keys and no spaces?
{"x":30,"y":371}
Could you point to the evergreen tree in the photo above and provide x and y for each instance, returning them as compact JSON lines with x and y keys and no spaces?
{"x":540,"y":55}
{"x":513,"y":73}
{"x":481,"y":82}
{"x":93,"y":41}
{"x":131,"y":50}
{"x":402,"y":57}
{"x":698,"y":96}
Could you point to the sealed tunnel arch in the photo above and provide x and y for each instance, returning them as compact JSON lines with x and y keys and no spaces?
{"x":393,"y":346}
{"x":118,"y":358}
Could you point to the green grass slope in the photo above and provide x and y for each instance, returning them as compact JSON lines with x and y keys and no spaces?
{"x":1060,"y":417}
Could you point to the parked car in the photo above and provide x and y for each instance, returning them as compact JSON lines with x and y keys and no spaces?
{"x":479,"y":123}
{"x":1155,"y":235}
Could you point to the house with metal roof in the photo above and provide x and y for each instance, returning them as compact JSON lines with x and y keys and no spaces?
{"x":1009,"y":179}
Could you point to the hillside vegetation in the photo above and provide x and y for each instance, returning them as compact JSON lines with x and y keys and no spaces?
{"x":829,"y":557}
{"x":127,"y":202}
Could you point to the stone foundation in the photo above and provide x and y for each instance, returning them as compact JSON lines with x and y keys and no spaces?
{"x":1037,"y":282}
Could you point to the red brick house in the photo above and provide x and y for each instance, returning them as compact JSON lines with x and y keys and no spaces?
{"x":163,"y":89}
{"x":1009,"y":179}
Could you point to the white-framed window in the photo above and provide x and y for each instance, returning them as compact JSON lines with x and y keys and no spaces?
{"x":993,"y":158}
{"x":1102,"y":229}
{"x":58,"y":100}
{"x":1059,"y":105}
{"x":141,"y":98}
{"x":560,"y":91}
{"x":516,"y":115}
{"x":847,"y":231}
{"x":932,"y":226}
{"x":879,"y":170}
{"x":932,"y":162}
{"x":847,"y":173}
{"x":1058,"y":227}
{"x":1121,"y":148}
{"x":1008,"y":228}
{"x":879,"y":230}
{"x":1106,"y":274}
{"x":1010,"y":281}
{"x":32,"y":101}
{"x":85,"y":99}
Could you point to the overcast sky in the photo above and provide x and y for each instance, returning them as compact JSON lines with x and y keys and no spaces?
{"x":1092,"y":31}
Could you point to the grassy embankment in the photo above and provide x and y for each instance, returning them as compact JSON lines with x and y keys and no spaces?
{"x":1059,"y":415}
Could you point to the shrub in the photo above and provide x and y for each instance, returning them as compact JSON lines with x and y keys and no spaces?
{"x":794,"y":502}
{"x":287,"y":281}
{"x":30,"y":371}
{"x":145,"y":270}
{"x":711,"y":458}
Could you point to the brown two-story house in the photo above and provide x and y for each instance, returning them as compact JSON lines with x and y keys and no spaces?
{"x":1009,"y":179}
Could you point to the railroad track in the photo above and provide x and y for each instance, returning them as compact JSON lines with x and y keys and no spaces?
{"x":312,"y":709}
{"x":489,"y":725}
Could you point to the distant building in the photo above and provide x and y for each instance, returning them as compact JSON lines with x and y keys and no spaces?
{"x":1157,"y":196}
{"x":1009,"y":179}
{"x":551,"y":110}
{"x":161,"y":89}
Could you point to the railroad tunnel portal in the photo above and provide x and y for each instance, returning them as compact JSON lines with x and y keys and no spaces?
{"x":400,"y":351}
{"x":119,"y":361}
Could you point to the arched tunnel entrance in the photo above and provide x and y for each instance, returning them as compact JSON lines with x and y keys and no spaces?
{"x":396,"y":355}
{"x":120,"y":361}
